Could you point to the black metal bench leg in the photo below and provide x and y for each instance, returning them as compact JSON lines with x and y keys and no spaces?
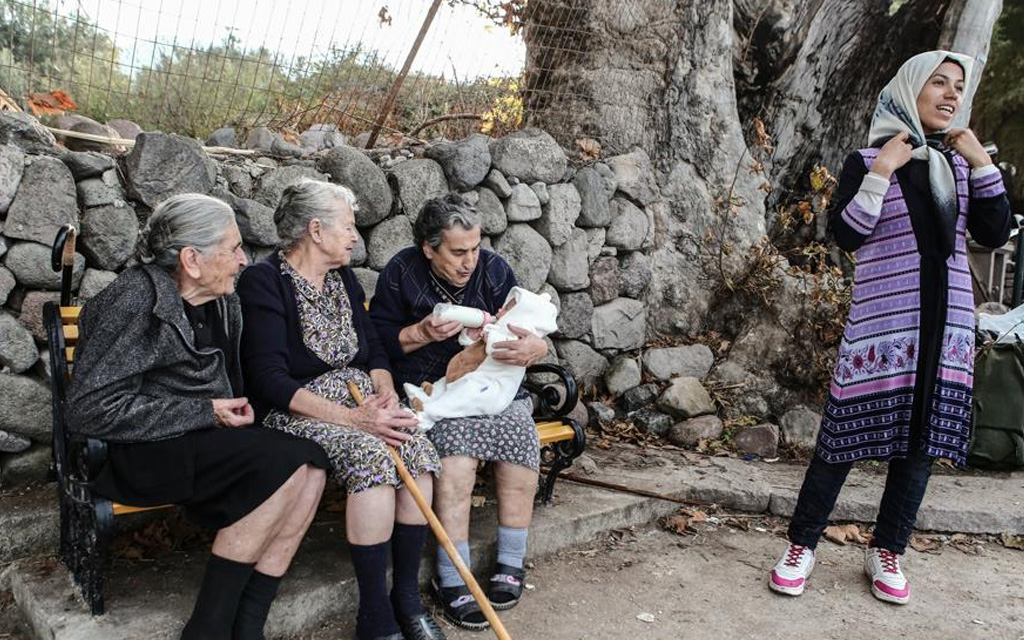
{"x":559,"y":464}
{"x":65,"y":506}
{"x":91,"y":528}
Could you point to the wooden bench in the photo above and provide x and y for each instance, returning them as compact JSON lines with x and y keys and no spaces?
{"x":87,"y":519}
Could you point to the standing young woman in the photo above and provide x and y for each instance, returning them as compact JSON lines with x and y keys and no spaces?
{"x":901,"y":390}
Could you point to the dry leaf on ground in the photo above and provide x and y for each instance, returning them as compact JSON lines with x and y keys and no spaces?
{"x":843,"y":533}
{"x":1011,"y":541}
{"x":924,"y":544}
{"x":683,"y":523}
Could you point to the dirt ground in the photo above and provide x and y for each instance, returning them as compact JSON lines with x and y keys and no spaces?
{"x":12,"y":625}
{"x":714,"y":585}
{"x":652,"y":584}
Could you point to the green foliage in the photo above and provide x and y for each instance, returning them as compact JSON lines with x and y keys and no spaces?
{"x":41,"y":50}
{"x":194,"y":91}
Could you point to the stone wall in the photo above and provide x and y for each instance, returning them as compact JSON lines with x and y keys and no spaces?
{"x":582,"y":234}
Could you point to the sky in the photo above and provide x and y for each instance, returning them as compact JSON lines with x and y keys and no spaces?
{"x":460,"y":41}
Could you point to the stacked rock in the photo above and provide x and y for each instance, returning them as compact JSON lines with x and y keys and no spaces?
{"x":580,"y":235}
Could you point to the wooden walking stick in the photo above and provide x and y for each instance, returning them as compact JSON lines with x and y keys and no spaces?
{"x":441,"y":534}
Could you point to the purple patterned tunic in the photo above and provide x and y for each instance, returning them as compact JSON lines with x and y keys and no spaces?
{"x":868,"y":412}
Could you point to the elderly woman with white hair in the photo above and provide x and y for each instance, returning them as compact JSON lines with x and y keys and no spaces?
{"x":157,"y":376}
{"x":901,"y":389}
{"x":307,"y":337}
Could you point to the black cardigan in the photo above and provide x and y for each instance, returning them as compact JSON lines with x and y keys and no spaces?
{"x":275,"y":360}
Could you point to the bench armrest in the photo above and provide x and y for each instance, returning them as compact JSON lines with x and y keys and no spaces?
{"x":552,"y":400}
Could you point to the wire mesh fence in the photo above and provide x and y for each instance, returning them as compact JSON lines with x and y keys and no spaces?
{"x":191,"y":66}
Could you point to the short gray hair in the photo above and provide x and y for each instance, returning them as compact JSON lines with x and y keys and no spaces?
{"x":186,"y":220}
{"x":305,"y":200}
{"x":440,"y":214}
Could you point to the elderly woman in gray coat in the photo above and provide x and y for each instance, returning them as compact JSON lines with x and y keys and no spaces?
{"x":157,"y":376}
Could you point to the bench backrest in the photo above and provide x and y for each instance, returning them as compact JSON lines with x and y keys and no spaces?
{"x":61,"y":325}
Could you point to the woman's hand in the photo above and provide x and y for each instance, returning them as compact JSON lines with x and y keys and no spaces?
{"x":392,"y":425}
{"x":384,"y":387}
{"x":233,"y":412}
{"x":966,"y":144}
{"x":894,"y":154}
{"x":429,"y":329}
{"x":529,"y":348}
{"x":434,"y":329}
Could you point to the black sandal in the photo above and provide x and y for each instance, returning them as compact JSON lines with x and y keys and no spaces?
{"x":505,"y":589}
{"x":460,"y":608}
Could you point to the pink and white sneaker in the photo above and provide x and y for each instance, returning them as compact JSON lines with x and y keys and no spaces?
{"x":887,"y":580}
{"x":791,"y":571}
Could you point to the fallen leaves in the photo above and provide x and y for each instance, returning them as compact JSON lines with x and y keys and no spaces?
{"x":52,"y":103}
{"x":159,"y":538}
{"x":590,"y":149}
{"x":1011,"y":541}
{"x":925,"y":544}
{"x":685,"y":522}
{"x":844,"y":533}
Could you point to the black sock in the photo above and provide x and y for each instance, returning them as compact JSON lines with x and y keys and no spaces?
{"x":376,"y":617}
{"x":254,"y":606}
{"x":406,"y":549}
{"x":217,"y":602}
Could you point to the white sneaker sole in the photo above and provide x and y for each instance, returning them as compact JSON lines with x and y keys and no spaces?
{"x":887,"y":597}
{"x":788,"y":591}
{"x":879,"y":593}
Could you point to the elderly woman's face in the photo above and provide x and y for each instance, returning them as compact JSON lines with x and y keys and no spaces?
{"x":339,"y":236}
{"x":455,"y":259}
{"x":222,"y":263}
{"x":939,"y":100}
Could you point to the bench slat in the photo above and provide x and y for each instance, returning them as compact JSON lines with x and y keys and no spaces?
{"x":70,"y":333}
{"x":122,"y":509}
{"x":554,"y":432}
{"x":70,"y":314}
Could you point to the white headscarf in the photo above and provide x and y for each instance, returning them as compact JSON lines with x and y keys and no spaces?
{"x":897,"y":111}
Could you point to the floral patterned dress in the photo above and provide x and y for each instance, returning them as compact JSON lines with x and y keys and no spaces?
{"x":359,"y":460}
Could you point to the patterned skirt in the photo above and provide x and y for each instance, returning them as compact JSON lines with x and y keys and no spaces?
{"x":510,"y":436}
{"x":359,"y":460}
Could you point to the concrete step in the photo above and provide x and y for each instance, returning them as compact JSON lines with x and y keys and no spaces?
{"x":29,"y":523}
{"x":152,"y":599}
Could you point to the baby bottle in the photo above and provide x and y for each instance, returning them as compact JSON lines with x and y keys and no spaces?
{"x":466,"y":316}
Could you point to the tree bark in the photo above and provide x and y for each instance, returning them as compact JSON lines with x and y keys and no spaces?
{"x":728,"y":97}
{"x":685,"y":79}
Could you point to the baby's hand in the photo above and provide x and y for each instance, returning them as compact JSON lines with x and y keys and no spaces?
{"x":475,"y":333}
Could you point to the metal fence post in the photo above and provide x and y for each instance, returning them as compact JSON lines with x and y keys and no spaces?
{"x":390,"y":101}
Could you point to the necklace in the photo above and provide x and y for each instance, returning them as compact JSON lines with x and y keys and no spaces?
{"x":454,"y":298}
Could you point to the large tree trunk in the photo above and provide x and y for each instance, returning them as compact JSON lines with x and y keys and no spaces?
{"x":686,"y":81}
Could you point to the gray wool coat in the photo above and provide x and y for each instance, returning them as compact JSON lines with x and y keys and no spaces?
{"x":137,"y":376}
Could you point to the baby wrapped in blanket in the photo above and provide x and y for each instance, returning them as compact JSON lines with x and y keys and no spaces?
{"x":475,"y":383}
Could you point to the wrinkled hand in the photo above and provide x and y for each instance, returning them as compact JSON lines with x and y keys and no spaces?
{"x":391,"y":424}
{"x":529,"y":348}
{"x":388,"y":397}
{"x":233,"y":412}
{"x":966,"y":144}
{"x":894,"y":154}
{"x":433,"y":329}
